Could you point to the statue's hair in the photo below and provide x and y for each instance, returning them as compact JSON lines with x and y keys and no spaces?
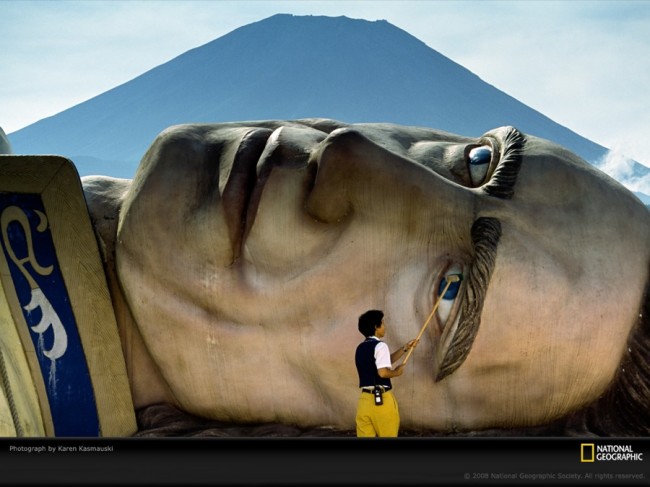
{"x":623,"y":410}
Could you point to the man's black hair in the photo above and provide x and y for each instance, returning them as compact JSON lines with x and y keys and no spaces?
{"x":369,"y":321}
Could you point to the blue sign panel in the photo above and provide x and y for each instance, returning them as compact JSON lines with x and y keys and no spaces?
{"x":29,"y":250}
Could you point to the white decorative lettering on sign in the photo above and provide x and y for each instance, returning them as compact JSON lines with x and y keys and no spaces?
{"x":38,"y":299}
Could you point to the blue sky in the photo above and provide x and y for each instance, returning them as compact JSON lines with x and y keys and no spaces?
{"x":585,"y":64}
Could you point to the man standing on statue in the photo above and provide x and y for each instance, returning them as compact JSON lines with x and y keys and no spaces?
{"x":377,"y":411}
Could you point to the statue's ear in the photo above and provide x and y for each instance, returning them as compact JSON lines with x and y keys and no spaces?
{"x":104,"y":196}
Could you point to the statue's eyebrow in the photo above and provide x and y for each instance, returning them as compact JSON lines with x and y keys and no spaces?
{"x":502,"y":183}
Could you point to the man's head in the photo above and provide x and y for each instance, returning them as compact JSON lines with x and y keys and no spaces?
{"x":370,"y":321}
{"x":245,"y":249}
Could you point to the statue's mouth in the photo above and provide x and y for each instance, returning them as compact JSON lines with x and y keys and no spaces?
{"x":238,"y":205}
{"x":259,"y":151}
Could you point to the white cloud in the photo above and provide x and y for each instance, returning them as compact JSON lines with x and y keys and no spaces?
{"x":620,"y":167}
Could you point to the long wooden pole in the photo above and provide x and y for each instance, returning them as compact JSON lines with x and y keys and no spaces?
{"x":449,"y":279}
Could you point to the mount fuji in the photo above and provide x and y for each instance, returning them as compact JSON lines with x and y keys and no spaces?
{"x":287,"y":67}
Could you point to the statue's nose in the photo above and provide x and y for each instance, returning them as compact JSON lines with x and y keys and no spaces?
{"x":357,"y":174}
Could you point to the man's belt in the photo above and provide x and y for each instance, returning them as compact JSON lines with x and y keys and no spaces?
{"x":370,"y":390}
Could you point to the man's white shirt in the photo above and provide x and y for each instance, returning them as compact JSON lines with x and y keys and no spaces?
{"x":382,"y":355}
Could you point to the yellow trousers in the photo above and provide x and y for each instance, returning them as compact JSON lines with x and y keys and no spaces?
{"x":375,"y":420}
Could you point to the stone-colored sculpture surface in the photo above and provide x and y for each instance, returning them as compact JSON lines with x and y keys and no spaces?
{"x":5,"y":146}
{"x":241,"y":255}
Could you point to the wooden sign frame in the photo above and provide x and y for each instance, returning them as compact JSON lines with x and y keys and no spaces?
{"x":63,"y":369}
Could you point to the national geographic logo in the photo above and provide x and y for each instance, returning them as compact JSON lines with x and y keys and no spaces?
{"x":590,"y":452}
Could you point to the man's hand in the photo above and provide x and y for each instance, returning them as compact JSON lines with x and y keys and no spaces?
{"x":410,"y":344}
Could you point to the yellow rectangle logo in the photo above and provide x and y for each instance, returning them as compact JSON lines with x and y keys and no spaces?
{"x":587,"y":452}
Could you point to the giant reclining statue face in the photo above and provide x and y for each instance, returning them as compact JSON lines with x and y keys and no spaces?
{"x":245,"y":253}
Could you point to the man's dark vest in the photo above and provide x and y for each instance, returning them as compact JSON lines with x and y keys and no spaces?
{"x":365,"y":361}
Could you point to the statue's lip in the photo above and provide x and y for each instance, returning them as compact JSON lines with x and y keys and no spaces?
{"x":236,"y":197}
{"x":259,"y":152}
